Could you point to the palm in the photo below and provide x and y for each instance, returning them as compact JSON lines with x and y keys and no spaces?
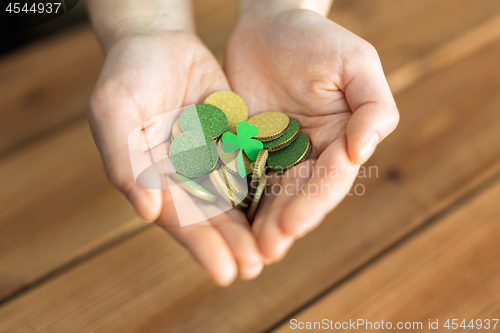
{"x":300,"y":63}
{"x":145,"y":76}
{"x":159,"y":73}
{"x":274,"y":67}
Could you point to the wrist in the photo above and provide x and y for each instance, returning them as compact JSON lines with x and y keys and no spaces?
{"x":114,"y":20}
{"x":255,"y":9}
{"x":127,"y":27}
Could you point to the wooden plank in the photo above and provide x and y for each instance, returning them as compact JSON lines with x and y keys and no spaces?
{"x":446,"y":55}
{"x":46,"y":84}
{"x":448,"y":271}
{"x":50,"y":82}
{"x":401,"y":31}
{"x":406,"y":30}
{"x":59,"y":182}
{"x":215,"y":20}
{"x":56,"y":205}
{"x":448,"y":142}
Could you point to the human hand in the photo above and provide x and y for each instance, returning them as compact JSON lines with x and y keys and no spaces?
{"x":145,"y":75}
{"x":331,"y":81}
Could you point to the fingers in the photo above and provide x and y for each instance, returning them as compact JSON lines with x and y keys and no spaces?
{"x":264,"y":208}
{"x":205,"y":243}
{"x":332,"y":177}
{"x":265,"y":203}
{"x":375,"y":114}
{"x":235,"y":230}
{"x":272,"y":239}
{"x":234,"y":249}
{"x":209,"y":249}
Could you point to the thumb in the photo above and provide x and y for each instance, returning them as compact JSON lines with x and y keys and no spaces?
{"x":375,"y":114}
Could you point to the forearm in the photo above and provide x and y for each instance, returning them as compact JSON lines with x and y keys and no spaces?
{"x":263,"y":7}
{"x":113,"y":19}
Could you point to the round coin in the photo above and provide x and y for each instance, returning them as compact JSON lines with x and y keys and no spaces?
{"x":230,"y":160}
{"x":245,"y":202}
{"x":243,"y":205}
{"x":259,"y":168}
{"x":176,"y":129}
{"x":193,"y":188}
{"x":232,"y":105}
{"x":290,"y":156}
{"x":281,"y":142}
{"x":221,"y":187}
{"x":271,"y":124}
{"x":204,"y":117}
{"x":256,"y":199}
{"x":236,"y":184}
{"x":193,"y":154}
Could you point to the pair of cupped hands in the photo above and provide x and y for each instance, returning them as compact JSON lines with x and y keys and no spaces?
{"x":295,"y":61}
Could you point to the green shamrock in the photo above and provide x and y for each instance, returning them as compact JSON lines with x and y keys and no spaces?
{"x":244,"y":142}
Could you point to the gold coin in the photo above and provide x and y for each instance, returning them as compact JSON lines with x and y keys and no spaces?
{"x":176,"y":129}
{"x":228,"y":193}
{"x":271,"y":124}
{"x":287,"y":138}
{"x":230,"y":160}
{"x":221,"y":187}
{"x":246,"y":201}
{"x":248,"y":163}
{"x":256,"y":199}
{"x":236,"y":184}
{"x":193,"y":188}
{"x":259,"y":168}
{"x":232,"y":105}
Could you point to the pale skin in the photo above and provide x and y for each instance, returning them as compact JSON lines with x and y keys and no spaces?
{"x":282,"y":55}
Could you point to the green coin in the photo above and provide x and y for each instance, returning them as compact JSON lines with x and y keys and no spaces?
{"x":193,"y":154}
{"x":193,"y":188}
{"x":281,"y":142}
{"x":206,"y":118}
{"x":290,"y":156}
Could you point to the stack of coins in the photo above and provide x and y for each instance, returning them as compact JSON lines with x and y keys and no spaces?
{"x":196,"y":150}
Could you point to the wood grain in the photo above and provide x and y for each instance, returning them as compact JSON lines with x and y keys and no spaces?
{"x":46,"y":84}
{"x":450,"y":270}
{"x":215,"y":20}
{"x":403,"y":31}
{"x":49,"y":83}
{"x":446,"y":55}
{"x":55,"y":225}
{"x":448,"y":143}
{"x":56,"y":205}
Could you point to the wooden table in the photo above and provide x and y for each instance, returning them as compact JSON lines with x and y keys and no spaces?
{"x":422,"y":242}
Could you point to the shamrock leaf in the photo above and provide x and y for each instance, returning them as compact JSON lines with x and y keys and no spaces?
{"x":252,"y":148}
{"x":242,"y":140}
{"x":241,"y":166}
{"x":229,"y":146}
{"x":245,"y":130}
